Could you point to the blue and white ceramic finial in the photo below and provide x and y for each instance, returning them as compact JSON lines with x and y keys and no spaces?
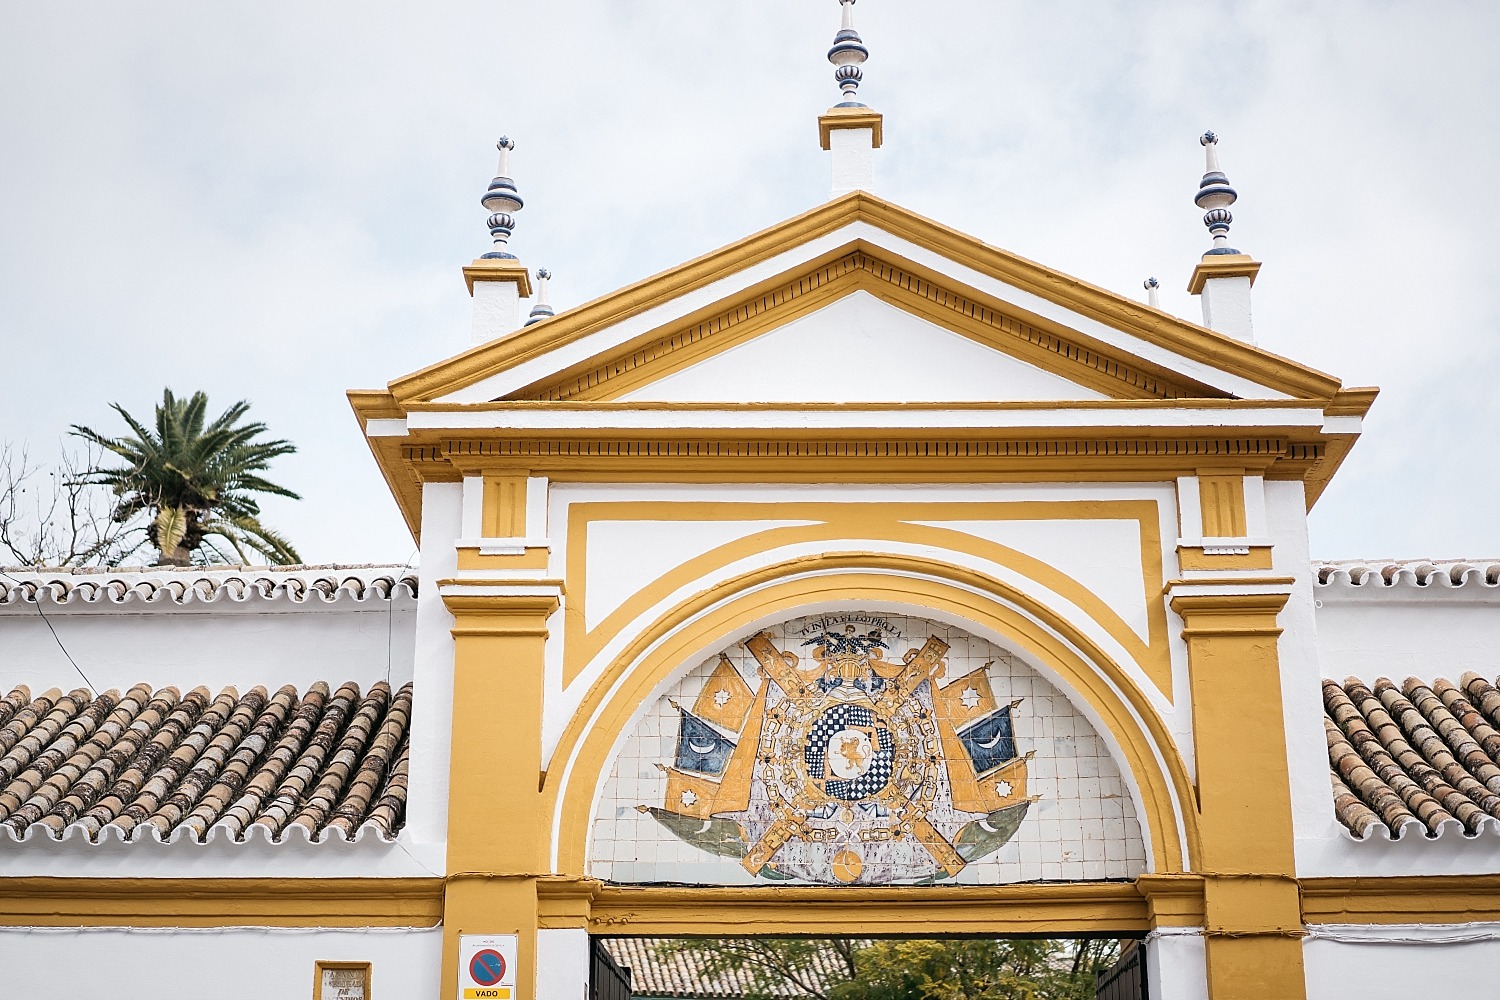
{"x":503,"y":201}
{"x":541,"y":310}
{"x":847,"y":55}
{"x":1152,"y":287}
{"x":1215,"y":195}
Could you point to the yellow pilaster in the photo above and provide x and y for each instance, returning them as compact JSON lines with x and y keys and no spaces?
{"x":1251,"y":909}
{"x":496,"y":846}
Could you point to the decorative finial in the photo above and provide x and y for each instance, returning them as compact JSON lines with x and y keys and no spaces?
{"x":541,"y":310}
{"x":1152,"y":286}
{"x":1215,"y":195}
{"x":503,"y":200}
{"x":847,"y":55}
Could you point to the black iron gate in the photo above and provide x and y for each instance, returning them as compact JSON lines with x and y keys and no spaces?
{"x":1126,"y":979}
{"x":607,"y":981}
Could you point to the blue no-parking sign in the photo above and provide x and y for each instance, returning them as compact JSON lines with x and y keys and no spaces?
{"x":487,"y":966}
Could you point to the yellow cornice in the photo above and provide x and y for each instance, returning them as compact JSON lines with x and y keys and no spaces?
{"x":1155,"y":327}
{"x":1099,"y":908}
{"x":976,"y":406}
{"x":1402,"y":899}
{"x":1237,"y":265}
{"x":401,"y":477}
{"x":835,"y":119}
{"x":1352,"y":402}
{"x":221,"y":902}
{"x":499,"y":270}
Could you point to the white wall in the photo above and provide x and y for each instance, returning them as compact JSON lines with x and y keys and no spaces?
{"x":242,"y":642}
{"x":225,"y":964}
{"x":1459,"y":962}
{"x":1424,"y":626}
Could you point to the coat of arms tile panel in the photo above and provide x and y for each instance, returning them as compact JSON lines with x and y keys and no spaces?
{"x":859,"y":748}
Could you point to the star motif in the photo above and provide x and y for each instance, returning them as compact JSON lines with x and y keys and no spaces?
{"x":1002,"y":788}
{"x":688,"y":798}
{"x":721,"y":698}
{"x":970,"y":698}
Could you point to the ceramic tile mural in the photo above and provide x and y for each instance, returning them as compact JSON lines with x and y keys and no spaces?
{"x":864,"y":749}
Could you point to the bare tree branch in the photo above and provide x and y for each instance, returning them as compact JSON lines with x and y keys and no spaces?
{"x":53,"y":517}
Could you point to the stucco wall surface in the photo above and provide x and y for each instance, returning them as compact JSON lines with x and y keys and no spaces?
{"x":1373,"y":620}
{"x":1453,"y":962}
{"x":227,"y":964}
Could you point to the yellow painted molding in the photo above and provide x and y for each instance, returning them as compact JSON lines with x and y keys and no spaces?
{"x":1078,"y":908}
{"x":221,"y":902}
{"x":500,"y":615}
{"x":566,"y":902}
{"x":1210,"y":615}
{"x":1172,"y":900}
{"x":1192,"y":558}
{"x":926,"y":294}
{"x":535,"y":557}
{"x":894,"y":522}
{"x":504,"y":505}
{"x":1221,"y":500}
{"x":711,"y":619}
{"x":1154,"y":326}
{"x":1237,"y":265}
{"x":834,"y":119}
{"x":1410,"y":899}
{"x":499,"y":270}
{"x":1352,"y":402}
{"x":401,"y":476}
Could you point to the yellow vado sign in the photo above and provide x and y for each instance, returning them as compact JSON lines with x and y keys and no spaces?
{"x":487,"y":966}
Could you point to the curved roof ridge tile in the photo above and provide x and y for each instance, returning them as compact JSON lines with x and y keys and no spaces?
{"x":1422,"y":573}
{"x":207,"y":584}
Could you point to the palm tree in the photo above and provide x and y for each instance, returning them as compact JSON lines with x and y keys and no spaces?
{"x":198,"y":482}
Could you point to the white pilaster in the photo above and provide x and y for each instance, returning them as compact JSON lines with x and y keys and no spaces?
{"x":562,"y":962}
{"x":1177,"y":964}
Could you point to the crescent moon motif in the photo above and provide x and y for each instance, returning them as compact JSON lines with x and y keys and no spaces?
{"x":700,"y":749}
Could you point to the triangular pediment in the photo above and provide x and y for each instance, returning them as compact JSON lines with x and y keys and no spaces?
{"x":858,"y":348}
{"x":1026,"y":321}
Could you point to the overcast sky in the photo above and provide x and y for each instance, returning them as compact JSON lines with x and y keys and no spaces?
{"x":273,"y":201}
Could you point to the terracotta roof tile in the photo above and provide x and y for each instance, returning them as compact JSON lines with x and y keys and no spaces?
{"x":660,"y":971}
{"x":165,"y":765}
{"x":1416,"y":757}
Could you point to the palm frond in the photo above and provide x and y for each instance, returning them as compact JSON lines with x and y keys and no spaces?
{"x":208,"y":472}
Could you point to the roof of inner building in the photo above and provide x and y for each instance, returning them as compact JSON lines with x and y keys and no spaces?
{"x":672,"y":967}
{"x":162,"y":764}
{"x":1421,"y":756}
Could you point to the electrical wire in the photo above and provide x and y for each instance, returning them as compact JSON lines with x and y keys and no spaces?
{"x":55,"y":637}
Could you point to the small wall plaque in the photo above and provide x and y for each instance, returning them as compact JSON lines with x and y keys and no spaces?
{"x":342,"y":981}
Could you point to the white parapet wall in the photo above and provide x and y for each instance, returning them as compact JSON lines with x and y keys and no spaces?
{"x":215,"y":627}
{"x":230,"y":963}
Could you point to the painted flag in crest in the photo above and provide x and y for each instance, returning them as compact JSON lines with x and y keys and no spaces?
{"x":725,"y":699}
{"x":701,"y":747}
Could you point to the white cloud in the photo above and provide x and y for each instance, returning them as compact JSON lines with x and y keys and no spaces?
{"x":274,"y":204}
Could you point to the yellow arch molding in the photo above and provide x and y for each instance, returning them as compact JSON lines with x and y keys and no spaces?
{"x":729,"y":608}
{"x":841,"y":523}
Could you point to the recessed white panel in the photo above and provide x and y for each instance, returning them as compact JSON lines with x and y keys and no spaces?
{"x":626,"y":556}
{"x":1104,"y":556}
{"x":861,"y":349}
